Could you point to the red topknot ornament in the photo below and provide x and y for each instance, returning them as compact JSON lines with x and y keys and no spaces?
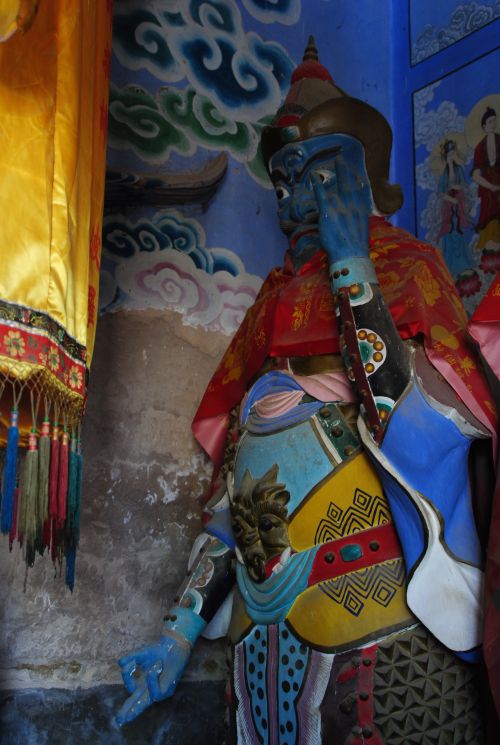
{"x":311,"y":84}
{"x":310,"y":66}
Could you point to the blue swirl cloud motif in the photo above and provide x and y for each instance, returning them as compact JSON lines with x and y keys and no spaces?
{"x":219,"y":14}
{"x":139,"y":39}
{"x":465,"y":19}
{"x":164,"y":263}
{"x":204,"y":40}
{"x":274,"y":11}
{"x":242,"y":84}
{"x":168,"y":229}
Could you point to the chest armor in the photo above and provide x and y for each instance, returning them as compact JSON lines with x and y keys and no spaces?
{"x":342,"y":582}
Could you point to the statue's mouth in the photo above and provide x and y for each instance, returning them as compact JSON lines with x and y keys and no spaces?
{"x":290,"y":226}
{"x":301,"y":235}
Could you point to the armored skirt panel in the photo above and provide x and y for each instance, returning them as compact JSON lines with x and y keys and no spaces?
{"x":325,"y":649}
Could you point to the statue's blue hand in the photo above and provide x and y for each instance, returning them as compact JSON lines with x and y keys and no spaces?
{"x":344,"y":206}
{"x":151,"y":674}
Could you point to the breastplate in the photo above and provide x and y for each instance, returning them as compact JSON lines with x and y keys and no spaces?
{"x":340,"y":579}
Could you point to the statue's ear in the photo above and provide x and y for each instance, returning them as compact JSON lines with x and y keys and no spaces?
{"x":246,"y":483}
{"x":282,"y":497}
{"x":271,"y":475}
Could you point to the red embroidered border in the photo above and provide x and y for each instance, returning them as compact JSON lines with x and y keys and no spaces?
{"x":36,"y":347}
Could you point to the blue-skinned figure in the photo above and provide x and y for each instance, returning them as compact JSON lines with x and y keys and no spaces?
{"x":341,"y":554}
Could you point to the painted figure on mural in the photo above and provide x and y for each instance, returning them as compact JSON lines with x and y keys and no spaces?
{"x":343,"y":488}
{"x":486,"y":173}
{"x":451,"y":237}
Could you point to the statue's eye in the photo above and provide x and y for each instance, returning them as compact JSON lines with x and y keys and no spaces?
{"x":324,"y":176}
{"x":282,"y":193}
{"x":236,"y":528}
{"x":265,"y":524}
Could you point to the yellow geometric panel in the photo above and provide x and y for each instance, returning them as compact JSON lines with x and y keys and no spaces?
{"x":353,"y":609}
{"x":349,"y":500}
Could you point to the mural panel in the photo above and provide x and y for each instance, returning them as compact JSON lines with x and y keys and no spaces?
{"x":457,"y":172}
{"x":437,"y":25}
{"x":191,"y":79}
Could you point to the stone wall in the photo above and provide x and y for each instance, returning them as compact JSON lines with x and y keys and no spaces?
{"x":144,"y":477}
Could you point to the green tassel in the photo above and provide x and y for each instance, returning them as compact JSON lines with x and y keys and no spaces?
{"x":29,"y":498}
{"x":43,"y":482}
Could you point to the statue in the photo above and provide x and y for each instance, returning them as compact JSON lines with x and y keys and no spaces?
{"x":345,"y":496}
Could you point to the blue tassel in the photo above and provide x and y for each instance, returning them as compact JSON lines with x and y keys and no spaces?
{"x":70,"y":567}
{"x":73,"y":511}
{"x":10,"y":472}
{"x":71,"y":506}
{"x":78,"y":496}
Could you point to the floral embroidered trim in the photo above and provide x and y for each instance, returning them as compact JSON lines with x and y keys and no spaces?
{"x":34,"y":338}
{"x":42,"y":321}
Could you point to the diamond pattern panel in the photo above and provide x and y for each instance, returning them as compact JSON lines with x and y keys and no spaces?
{"x":424,"y":695}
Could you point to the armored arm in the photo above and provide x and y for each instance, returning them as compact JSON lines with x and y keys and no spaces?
{"x":153,"y":672}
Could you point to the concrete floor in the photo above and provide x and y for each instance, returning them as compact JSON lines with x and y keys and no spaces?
{"x":62,"y":717}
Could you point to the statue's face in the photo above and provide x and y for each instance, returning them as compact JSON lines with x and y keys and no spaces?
{"x":338,"y":160}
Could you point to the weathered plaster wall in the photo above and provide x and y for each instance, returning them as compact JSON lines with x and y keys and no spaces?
{"x":144,"y":475}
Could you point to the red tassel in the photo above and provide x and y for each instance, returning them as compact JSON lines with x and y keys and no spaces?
{"x":62,"y":487}
{"x":54,"y":471}
{"x":46,"y":533}
{"x":54,"y":541}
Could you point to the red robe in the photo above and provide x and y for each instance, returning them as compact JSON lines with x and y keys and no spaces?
{"x":294,"y":315}
{"x":490,"y":200}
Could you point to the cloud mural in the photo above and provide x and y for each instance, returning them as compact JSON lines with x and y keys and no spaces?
{"x":463,"y":20}
{"x":180,"y":120}
{"x":204,"y":41}
{"x":274,"y":11}
{"x":432,"y":124}
{"x":165,"y":263}
{"x":234,"y":80}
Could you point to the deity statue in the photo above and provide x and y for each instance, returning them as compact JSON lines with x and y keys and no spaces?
{"x":340,"y":554}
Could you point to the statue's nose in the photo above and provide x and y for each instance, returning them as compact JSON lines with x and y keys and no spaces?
{"x":301,"y":206}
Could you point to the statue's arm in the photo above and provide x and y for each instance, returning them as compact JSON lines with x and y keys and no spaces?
{"x":153,"y":672}
{"x":377,"y":360}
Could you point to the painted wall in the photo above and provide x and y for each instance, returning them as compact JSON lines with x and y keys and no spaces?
{"x":447,"y":76}
{"x":190,"y":79}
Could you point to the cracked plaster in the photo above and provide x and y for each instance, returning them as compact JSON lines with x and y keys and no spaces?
{"x":144,"y":478}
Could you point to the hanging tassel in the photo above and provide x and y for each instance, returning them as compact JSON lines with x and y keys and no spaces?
{"x":10,"y":472}
{"x":72,"y":485}
{"x":43,"y":484}
{"x":62,"y":486}
{"x":78,"y":498}
{"x":29,"y":498}
{"x":73,"y":509}
{"x":54,"y":470}
{"x":13,"y":530}
{"x":53,"y":484}
{"x":55,"y":538}
{"x":70,"y":567}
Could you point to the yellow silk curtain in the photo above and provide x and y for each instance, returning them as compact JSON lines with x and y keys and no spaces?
{"x":53,"y":116}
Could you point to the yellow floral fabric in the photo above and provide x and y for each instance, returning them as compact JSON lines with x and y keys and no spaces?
{"x":53,"y":120}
